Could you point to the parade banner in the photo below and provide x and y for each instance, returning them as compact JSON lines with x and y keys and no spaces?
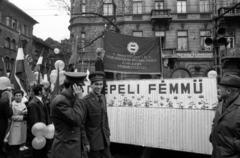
{"x":129,"y":54}
{"x":182,"y":93}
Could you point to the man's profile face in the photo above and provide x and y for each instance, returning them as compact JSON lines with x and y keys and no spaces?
{"x":97,"y":87}
{"x":222,"y":92}
{"x":18,"y":97}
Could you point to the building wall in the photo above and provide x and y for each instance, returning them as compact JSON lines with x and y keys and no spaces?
{"x":194,"y":23}
{"x":8,"y":10}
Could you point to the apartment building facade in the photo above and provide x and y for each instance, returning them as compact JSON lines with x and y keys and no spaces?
{"x":182,"y":25}
{"x":12,"y":21}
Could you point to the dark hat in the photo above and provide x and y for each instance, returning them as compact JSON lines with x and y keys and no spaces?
{"x":230,"y":81}
{"x":96,"y":76}
{"x":75,"y":77}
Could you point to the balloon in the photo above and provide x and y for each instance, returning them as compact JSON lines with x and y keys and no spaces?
{"x":49,"y":134}
{"x":56,"y":51}
{"x":38,"y":142}
{"x":39,"y":129}
{"x":53,"y":78}
{"x":54,"y":71}
{"x":36,"y":76}
{"x":59,"y":64}
{"x":61,"y":77}
{"x":52,"y":86}
{"x":212,"y":73}
{"x":45,"y":84}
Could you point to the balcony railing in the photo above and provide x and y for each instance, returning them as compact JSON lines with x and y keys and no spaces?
{"x":161,"y":14}
{"x":233,"y":12}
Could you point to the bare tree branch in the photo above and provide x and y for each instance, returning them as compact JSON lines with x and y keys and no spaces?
{"x":92,"y":41}
{"x":112,"y":23}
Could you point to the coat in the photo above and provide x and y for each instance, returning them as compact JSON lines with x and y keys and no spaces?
{"x":67,"y":116}
{"x":225,"y":135}
{"x":38,"y":112}
{"x":95,"y":130}
{"x":18,"y":129}
{"x":5,"y":113}
{"x":99,"y":65}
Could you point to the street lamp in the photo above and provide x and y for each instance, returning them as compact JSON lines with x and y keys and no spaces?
{"x":56,"y":51}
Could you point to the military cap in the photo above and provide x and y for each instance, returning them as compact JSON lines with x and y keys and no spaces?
{"x":96,"y":76}
{"x":230,"y":81}
{"x":75,"y":77}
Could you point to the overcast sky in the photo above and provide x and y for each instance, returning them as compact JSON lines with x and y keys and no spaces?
{"x":49,"y":25}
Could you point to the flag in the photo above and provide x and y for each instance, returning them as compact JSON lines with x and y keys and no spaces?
{"x":39,"y":65}
{"x":56,"y":89}
{"x":133,"y":55}
{"x":30,"y":76}
{"x":74,"y":57}
{"x":18,"y":75}
{"x":4,"y":70}
{"x":45,"y":72}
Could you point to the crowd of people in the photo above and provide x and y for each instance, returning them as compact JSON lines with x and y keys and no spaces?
{"x":81,"y":122}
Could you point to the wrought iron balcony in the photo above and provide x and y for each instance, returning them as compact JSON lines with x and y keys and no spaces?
{"x":161,"y":14}
{"x":233,"y":14}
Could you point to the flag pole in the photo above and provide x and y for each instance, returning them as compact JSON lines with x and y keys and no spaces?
{"x":160,"y":55}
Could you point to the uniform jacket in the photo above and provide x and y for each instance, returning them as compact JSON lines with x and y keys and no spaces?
{"x":225,"y":136}
{"x":5,"y":113}
{"x":99,"y":65}
{"x":95,"y":131}
{"x":67,"y":116}
{"x":18,"y":129}
{"x":38,"y":112}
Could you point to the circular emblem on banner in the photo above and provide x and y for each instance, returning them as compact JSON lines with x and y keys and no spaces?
{"x":29,"y":58}
{"x":133,"y":47}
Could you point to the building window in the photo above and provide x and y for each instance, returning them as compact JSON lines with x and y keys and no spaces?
{"x":181,"y":6}
{"x":231,"y":38}
{"x":108,"y":7}
{"x":181,"y":73}
{"x":13,"y":44}
{"x":14,"y":24}
{"x":83,"y":7}
{"x":7,"y":42}
{"x":182,"y":40}
{"x":8,"y":19}
{"x":7,"y":64}
{"x":203,"y":36}
{"x":204,"y":6}
{"x":161,"y":34}
{"x":158,"y":4}
{"x":25,"y":29}
{"x":83,"y":38}
{"x":137,"y":33}
{"x":137,"y":6}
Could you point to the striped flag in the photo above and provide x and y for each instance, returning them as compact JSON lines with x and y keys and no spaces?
{"x":18,"y":75}
{"x":88,"y":69}
{"x":39,"y":65}
{"x":30,"y":76}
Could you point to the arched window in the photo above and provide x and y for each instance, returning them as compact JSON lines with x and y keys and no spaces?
{"x":7,"y":42}
{"x":13,"y":44}
{"x":181,"y":73}
{"x":7,"y":64}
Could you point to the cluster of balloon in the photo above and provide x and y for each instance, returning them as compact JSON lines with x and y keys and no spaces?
{"x":45,"y":81}
{"x":41,"y":132}
{"x":59,"y":64}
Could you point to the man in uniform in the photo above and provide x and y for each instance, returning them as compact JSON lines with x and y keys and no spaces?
{"x":67,"y":115}
{"x":95,"y":130}
{"x":225,"y":136}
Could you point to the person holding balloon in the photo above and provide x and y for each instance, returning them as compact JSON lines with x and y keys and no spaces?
{"x":18,"y":129}
{"x":38,"y":113}
{"x":67,"y":116}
